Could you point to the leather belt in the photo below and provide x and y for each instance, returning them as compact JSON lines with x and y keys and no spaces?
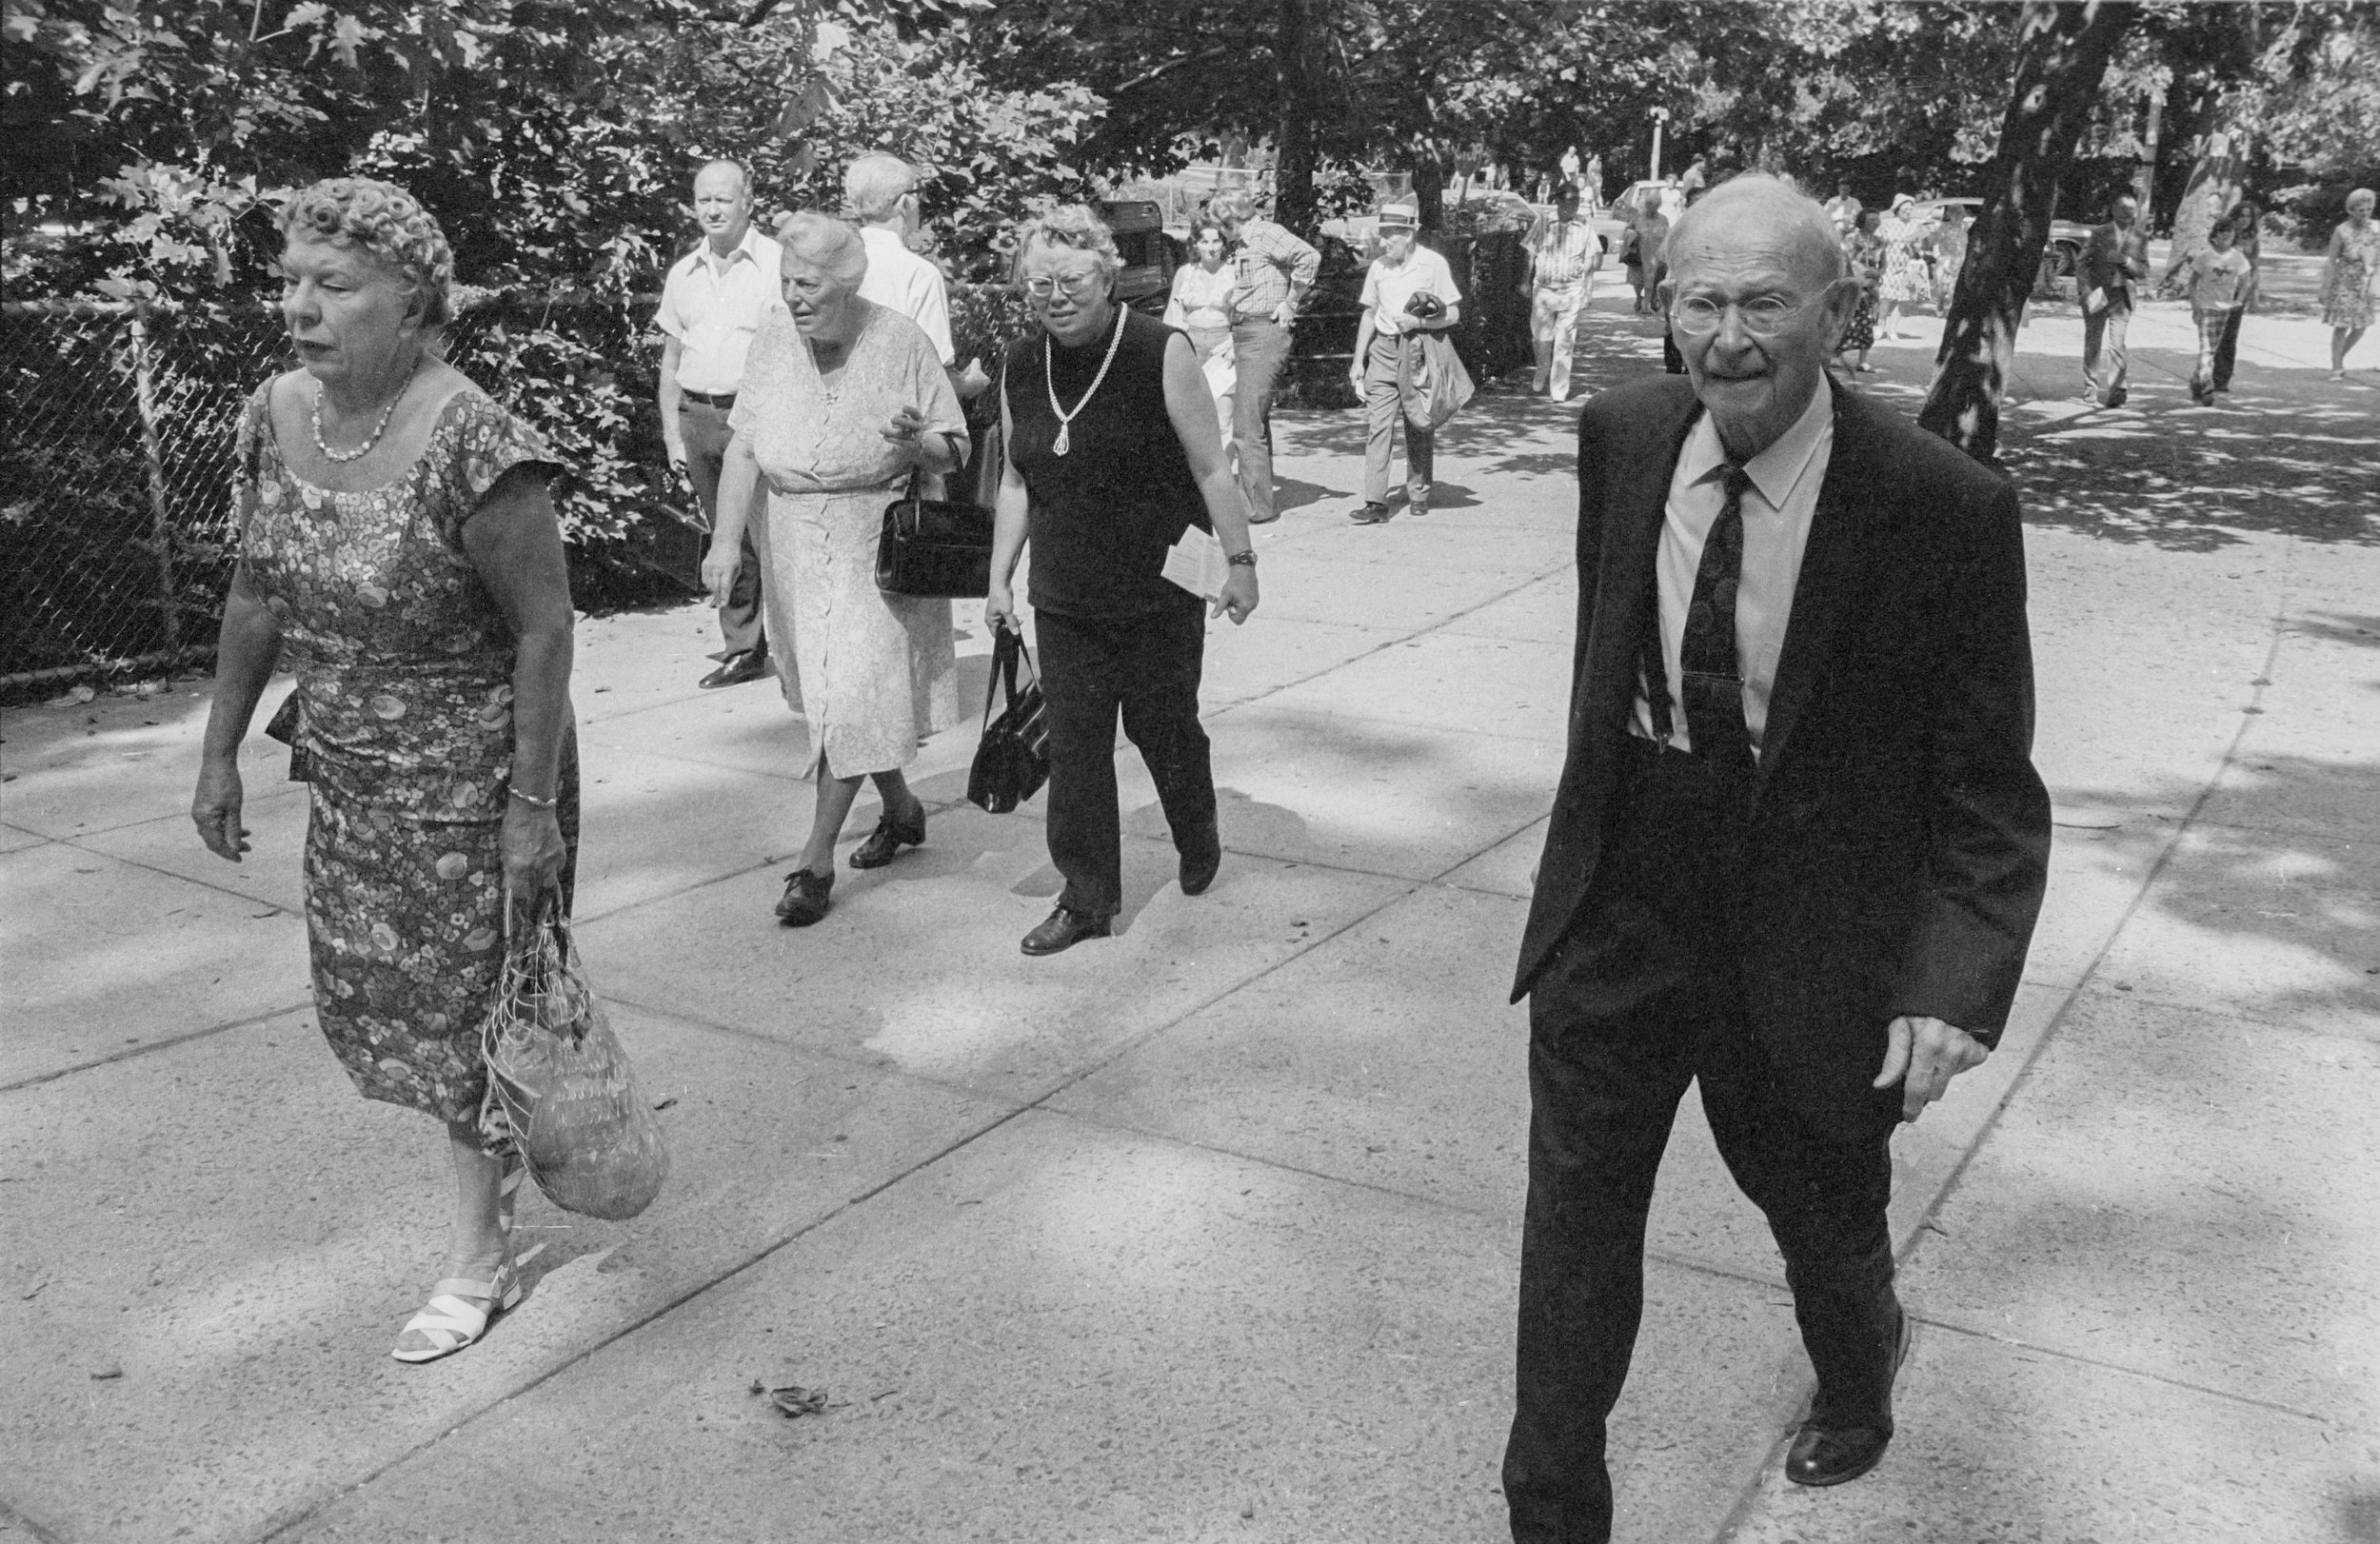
{"x":720,"y":400}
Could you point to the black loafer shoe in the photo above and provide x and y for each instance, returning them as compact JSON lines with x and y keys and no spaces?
{"x":1371,"y":514}
{"x":1198,"y":869}
{"x":1820,"y":1457}
{"x":752,"y":664}
{"x":1063,"y":930}
{"x":1824,"y":1455}
{"x":892,"y":835}
{"x":806,"y":898}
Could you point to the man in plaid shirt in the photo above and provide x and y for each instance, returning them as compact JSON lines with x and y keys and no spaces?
{"x":1273,"y":271}
{"x":1563,"y":253}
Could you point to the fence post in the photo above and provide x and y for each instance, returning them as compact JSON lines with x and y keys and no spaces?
{"x":160,"y":502}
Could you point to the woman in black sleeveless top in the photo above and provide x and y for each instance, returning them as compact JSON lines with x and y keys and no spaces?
{"x":1113,"y":452}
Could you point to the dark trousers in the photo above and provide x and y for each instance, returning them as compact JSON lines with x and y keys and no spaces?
{"x":2106,"y":361}
{"x":707,"y":435}
{"x":1642,"y":1000}
{"x":1146,"y":667}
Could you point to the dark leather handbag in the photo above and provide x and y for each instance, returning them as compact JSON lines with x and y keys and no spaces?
{"x":1012,"y":762}
{"x":937,"y":548}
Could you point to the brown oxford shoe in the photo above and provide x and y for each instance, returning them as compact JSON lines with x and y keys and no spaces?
{"x":892,"y":833}
{"x":1824,"y":1455}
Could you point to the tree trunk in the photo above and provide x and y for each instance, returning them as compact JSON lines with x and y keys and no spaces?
{"x":2062,"y":53}
{"x":1301,"y":59}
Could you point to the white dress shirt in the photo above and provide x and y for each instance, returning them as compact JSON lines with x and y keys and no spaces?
{"x":899,"y":279}
{"x":1777,"y":510}
{"x":1389,"y":286}
{"x":713,"y":306}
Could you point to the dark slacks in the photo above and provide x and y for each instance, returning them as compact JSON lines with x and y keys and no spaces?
{"x":707,"y":435}
{"x":1146,"y":667}
{"x":2227,"y":348}
{"x":1642,"y":1000}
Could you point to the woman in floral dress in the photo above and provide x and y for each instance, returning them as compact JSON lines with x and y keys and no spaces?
{"x":2350,"y":275}
{"x":1905,"y":280}
{"x":399,"y":545}
{"x":841,"y":402}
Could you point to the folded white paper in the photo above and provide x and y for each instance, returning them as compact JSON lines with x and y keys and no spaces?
{"x":1196,"y":563}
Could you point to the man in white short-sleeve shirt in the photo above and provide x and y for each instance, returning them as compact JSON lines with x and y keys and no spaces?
{"x":711,"y":306}
{"x":879,"y":193}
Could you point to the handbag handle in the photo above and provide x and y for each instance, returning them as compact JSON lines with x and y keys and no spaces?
{"x":1007,"y":648}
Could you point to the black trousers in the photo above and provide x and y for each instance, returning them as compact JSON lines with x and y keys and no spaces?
{"x":1642,"y":1000}
{"x":707,"y":435}
{"x":1146,"y":667}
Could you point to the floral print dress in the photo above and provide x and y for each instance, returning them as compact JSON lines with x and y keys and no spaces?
{"x":403,"y":730}
{"x":2347,"y":279}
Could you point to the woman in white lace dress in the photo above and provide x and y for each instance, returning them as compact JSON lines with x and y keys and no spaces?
{"x":841,"y":402}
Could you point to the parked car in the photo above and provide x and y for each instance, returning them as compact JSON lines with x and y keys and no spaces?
{"x":1150,"y":253}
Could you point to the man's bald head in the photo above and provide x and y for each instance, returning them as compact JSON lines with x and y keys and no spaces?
{"x":1759,"y":209}
{"x":724,"y":170}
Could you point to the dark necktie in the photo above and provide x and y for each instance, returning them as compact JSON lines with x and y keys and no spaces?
{"x":1712,"y":686}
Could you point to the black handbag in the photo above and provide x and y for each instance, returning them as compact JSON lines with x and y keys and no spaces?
{"x":1012,"y":762}
{"x":937,"y":548}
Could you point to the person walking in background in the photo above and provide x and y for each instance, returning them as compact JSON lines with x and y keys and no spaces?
{"x":1200,"y":305}
{"x":1796,"y":851}
{"x":1272,"y":271}
{"x":1694,"y":178}
{"x":398,"y":541}
{"x":1863,"y":252}
{"x":2218,"y":288}
{"x":1591,"y":183}
{"x":1949,"y":254}
{"x":711,"y":306}
{"x":2249,"y":242}
{"x":2114,"y":257}
{"x":1633,"y":255}
{"x":1904,"y":281}
{"x":1113,"y":457}
{"x":844,"y":401}
{"x":879,"y":193}
{"x":1563,"y":252}
{"x":2351,"y":275}
{"x":1844,"y":209}
{"x":1408,"y":290}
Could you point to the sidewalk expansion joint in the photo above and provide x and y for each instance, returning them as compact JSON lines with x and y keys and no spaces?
{"x":129,"y":1052}
{"x":2036,"y":1348}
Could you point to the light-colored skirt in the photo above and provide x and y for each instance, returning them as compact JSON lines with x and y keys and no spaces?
{"x":874,"y":673}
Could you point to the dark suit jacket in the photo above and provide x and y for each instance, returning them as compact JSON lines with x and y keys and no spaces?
{"x":1899,"y":836}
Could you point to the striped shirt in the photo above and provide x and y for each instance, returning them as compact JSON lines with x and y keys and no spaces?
{"x":1566,"y":252}
{"x":1269,"y":262}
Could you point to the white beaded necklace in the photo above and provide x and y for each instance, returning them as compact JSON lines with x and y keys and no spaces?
{"x":1049,"y":378}
{"x":378,"y":429}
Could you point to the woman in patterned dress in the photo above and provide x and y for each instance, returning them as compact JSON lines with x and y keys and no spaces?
{"x":841,"y":402}
{"x":2351,"y":275}
{"x":397,"y":540}
{"x":1904,"y":281}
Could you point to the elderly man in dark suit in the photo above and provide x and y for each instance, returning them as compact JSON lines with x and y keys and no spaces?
{"x":1799,"y":846}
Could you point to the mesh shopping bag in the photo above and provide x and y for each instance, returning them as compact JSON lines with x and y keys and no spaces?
{"x":558,"y":1084}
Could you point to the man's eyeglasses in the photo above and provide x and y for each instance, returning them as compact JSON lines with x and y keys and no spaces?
{"x":1762,"y":316}
{"x":1042,"y":286}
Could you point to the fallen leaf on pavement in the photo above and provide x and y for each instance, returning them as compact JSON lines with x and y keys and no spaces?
{"x":793,"y":1401}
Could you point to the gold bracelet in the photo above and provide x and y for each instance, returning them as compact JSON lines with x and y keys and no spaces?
{"x":532,"y":800}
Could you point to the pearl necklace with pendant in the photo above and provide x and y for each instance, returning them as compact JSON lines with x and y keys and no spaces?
{"x":1049,"y":378}
{"x":342,"y":457}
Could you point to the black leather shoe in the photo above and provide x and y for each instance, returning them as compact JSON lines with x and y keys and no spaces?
{"x":1063,"y":930}
{"x":1371,"y":514}
{"x":752,"y":664}
{"x":1824,"y":1455}
{"x":1198,"y":869}
{"x":890,"y":835}
{"x":806,"y":898}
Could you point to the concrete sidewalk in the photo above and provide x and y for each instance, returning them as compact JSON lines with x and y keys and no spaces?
{"x":1211,"y":1231}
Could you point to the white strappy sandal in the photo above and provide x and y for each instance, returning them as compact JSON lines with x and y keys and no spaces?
{"x":460,"y":1310}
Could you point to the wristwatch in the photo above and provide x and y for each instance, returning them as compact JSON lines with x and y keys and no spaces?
{"x":1245,"y":559}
